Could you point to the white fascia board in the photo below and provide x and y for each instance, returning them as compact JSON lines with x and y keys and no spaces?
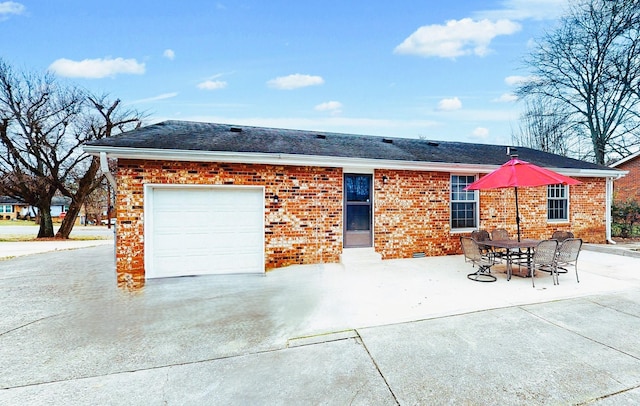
{"x":313,"y":160}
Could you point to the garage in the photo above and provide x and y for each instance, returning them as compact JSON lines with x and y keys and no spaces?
{"x":201,"y":230}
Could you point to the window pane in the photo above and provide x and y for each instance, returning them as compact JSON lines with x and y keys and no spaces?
{"x":358,"y":218}
{"x":557,"y":202}
{"x":463,"y":215}
{"x":463,"y":202}
{"x":358,"y":188}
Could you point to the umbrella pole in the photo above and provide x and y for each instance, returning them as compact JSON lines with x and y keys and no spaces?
{"x":517,"y":214}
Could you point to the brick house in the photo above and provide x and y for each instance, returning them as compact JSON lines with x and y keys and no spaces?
{"x":14,"y":209}
{"x":627,"y":188}
{"x":202,"y":198}
{"x":11,"y":208}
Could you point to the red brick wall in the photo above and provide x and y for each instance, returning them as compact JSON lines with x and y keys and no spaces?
{"x":587,"y":211}
{"x":305,"y":227}
{"x":411,"y":211}
{"x":628,"y":187}
{"x":412,"y":214}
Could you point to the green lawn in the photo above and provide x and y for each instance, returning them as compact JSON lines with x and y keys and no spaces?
{"x":6,"y":237}
{"x":17,"y":223}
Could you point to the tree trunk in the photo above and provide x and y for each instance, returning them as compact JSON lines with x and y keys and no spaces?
{"x":46,"y":224}
{"x":68,"y":221}
{"x":86,"y":184}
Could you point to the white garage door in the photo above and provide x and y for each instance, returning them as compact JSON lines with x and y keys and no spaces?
{"x":203,"y":230}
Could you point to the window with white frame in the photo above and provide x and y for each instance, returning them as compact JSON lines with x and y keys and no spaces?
{"x":6,"y":208}
{"x":557,"y":202}
{"x":464,"y":203}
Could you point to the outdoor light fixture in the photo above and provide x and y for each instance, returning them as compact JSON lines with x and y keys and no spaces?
{"x":385,"y":179}
{"x":276,"y":200}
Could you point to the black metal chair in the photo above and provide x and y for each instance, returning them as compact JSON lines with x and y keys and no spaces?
{"x":484,"y":262}
{"x":567,"y":254}
{"x":499,"y":234}
{"x":544,"y":259}
{"x":560,"y":235}
{"x":480,"y":236}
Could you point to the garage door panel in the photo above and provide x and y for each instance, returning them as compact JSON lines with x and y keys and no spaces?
{"x":174,"y":243}
{"x":199,"y":231}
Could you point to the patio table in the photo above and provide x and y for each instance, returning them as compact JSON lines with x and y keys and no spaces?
{"x":511,"y":257}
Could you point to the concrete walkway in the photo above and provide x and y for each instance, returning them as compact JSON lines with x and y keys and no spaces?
{"x":404,"y":332}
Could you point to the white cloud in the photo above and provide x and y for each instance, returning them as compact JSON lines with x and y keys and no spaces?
{"x":449,"y":104}
{"x":506,"y":98}
{"x":480,"y":132}
{"x":169,"y":54}
{"x":96,"y":68}
{"x":295,"y":81}
{"x":516,"y":80}
{"x":456,"y":38}
{"x":159,"y":97}
{"x":335,"y":107}
{"x":212,"y":85}
{"x":8,"y":8}
{"x":526,"y":9}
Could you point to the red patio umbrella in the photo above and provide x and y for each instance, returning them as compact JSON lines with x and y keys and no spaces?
{"x":516,"y":173}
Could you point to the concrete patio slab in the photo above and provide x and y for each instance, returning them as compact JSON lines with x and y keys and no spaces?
{"x":507,"y":356}
{"x":337,"y":373}
{"x":69,"y":336}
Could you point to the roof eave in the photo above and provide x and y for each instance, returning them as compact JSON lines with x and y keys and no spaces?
{"x":315,"y":160}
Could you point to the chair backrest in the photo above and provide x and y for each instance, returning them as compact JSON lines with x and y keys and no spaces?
{"x":480,"y":235}
{"x":569,"y":249}
{"x":500,"y":234}
{"x":560,"y":235}
{"x":545,"y":252}
{"x":470,"y":249}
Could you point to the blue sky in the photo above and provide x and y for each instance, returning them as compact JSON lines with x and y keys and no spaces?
{"x":432,"y":69}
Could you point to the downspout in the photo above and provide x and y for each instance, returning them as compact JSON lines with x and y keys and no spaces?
{"x":104,"y":167}
{"x":609,"y":198}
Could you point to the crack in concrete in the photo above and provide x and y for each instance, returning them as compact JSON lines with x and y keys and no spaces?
{"x":27,"y":324}
{"x":361,"y":342}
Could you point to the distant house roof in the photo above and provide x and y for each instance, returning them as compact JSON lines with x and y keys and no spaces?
{"x":10,"y":200}
{"x":183,"y":140}
{"x":625,"y":159}
{"x":55,"y":201}
{"x":60,"y":201}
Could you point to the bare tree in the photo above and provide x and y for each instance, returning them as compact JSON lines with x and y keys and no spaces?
{"x":99,"y":119}
{"x":35,"y":114}
{"x":43,"y":125}
{"x":543,"y":125}
{"x":590,"y":65}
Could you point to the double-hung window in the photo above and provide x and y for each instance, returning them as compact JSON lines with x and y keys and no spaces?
{"x":558,"y":202}
{"x":464,"y":203}
{"x":5,"y":208}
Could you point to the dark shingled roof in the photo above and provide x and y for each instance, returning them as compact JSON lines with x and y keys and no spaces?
{"x":9,"y":200}
{"x":194,"y":136}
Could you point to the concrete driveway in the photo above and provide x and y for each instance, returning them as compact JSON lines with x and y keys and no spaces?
{"x":399,"y":332}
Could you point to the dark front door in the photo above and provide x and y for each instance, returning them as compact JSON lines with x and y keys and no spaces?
{"x":357,"y":211}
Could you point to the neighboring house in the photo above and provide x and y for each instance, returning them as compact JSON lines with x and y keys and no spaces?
{"x":627,"y":188}
{"x":13,"y":209}
{"x":10,"y":208}
{"x":200,"y":198}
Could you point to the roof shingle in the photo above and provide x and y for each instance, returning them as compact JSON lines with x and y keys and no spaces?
{"x":195,"y":136}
